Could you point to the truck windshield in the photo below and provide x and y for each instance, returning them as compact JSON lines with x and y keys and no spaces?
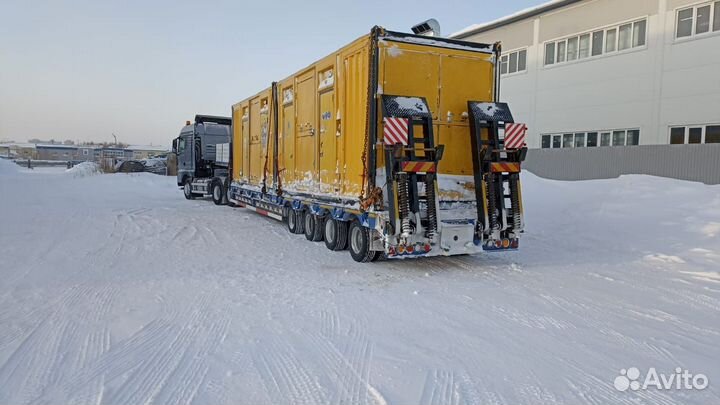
{"x":181,"y":145}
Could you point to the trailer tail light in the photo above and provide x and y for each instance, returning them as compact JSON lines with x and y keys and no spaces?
{"x":514,"y":244}
{"x":427,"y":247}
{"x":506,"y":243}
{"x":410,"y":249}
{"x":401,"y":249}
{"x":391,"y":251}
{"x":498,"y":244}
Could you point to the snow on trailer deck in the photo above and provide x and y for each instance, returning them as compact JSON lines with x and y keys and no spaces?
{"x":117,"y":290}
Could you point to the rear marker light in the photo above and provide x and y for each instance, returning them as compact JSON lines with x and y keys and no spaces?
{"x":506,"y":243}
{"x":427,"y":247}
{"x":410,"y":249}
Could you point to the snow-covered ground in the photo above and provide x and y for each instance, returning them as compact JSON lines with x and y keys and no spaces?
{"x":114,"y":289}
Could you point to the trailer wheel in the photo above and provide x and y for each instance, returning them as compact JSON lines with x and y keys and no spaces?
{"x":217,"y":192}
{"x":310,"y":224}
{"x":335,"y":234}
{"x":187,"y":189}
{"x":359,"y":243}
{"x":293,"y":221}
{"x":319,"y":231}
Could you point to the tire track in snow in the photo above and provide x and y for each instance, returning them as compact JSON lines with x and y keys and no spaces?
{"x":441,"y":388}
{"x":37,"y":361}
{"x":285,"y":378}
{"x":153,"y":372}
{"x":348,"y":363}
{"x":187,"y":379}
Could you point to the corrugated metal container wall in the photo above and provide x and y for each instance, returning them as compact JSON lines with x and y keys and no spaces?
{"x":322,"y":116}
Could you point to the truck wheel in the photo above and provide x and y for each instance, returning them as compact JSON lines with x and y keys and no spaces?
{"x":292,"y":221}
{"x":319,"y":234}
{"x":217,"y":192}
{"x":359,"y":243}
{"x":187,"y":189}
{"x":335,"y":234}
{"x":310,"y":224}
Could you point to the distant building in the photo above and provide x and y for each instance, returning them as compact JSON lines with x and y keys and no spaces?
{"x":145,"y":151}
{"x":56,"y":152}
{"x":593,"y":73}
{"x":18,"y":150}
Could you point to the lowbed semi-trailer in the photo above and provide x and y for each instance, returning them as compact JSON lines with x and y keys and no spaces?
{"x":394,"y":145}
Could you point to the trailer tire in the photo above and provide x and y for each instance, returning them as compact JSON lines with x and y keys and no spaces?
{"x":309,"y":224}
{"x":293,"y":221}
{"x":335,"y":234}
{"x":217,"y":192}
{"x":359,"y":243}
{"x":187,"y":189}
{"x":319,"y":234}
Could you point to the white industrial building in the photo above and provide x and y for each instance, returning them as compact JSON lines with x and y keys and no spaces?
{"x":591,"y":73}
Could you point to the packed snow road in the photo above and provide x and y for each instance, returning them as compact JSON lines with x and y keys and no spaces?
{"x":116,"y":290}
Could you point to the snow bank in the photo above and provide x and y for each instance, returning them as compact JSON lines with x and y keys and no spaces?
{"x":84,"y":169}
{"x":8,"y":167}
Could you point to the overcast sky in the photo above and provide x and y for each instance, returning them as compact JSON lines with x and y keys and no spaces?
{"x":83,"y":70}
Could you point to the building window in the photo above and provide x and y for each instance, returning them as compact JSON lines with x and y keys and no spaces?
{"x":561,"y":51}
{"x":698,"y":20}
{"x":598,"y":42}
{"x":695,"y":134}
{"x":712,"y":134}
{"x":639,"y":33}
{"x":677,"y":136}
{"x":513,"y":62}
{"x":550,"y":53}
{"x":572,"y":48}
{"x":591,"y":139}
{"x":557,"y":140}
{"x":580,"y":140}
{"x":85,"y":152}
{"x":605,"y":139}
{"x":618,"y":138}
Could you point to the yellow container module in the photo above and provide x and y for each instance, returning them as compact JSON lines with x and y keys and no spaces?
{"x":384,"y":135}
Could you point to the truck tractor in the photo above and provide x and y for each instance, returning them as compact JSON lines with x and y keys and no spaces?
{"x":203,"y":157}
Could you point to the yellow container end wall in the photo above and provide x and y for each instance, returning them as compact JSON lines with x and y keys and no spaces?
{"x":237,"y":144}
{"x":448,"y":79}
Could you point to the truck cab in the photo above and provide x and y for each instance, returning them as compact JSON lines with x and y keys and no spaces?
{"x":202,"y":151}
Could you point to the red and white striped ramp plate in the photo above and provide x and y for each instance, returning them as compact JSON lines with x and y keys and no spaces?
{"x":396,"y":131}
{"x":515,"y":135}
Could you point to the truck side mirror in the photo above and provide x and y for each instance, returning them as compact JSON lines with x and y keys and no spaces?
{"x":175,"y":145}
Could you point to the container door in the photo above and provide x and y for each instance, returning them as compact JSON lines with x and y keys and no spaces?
{"x":305,"y":150}
{"x":246,"y":143}
{"x":328,"y":143}
{"x":287,"y":131}
{"x":255,"y":146}
{"x":455,"y":91}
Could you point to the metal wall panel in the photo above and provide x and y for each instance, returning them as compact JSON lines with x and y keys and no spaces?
{"x":699,"y":163}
